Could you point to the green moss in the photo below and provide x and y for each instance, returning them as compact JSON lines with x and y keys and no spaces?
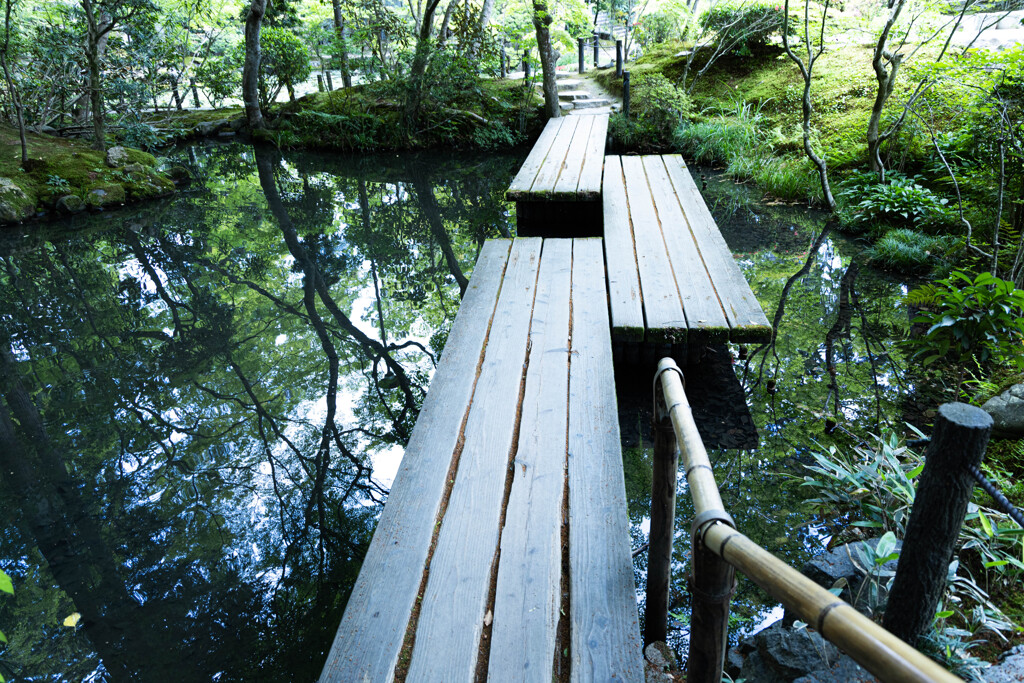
{"x":60,"y":166}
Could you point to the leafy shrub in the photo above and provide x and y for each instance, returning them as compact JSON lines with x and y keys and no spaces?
{"x":900,"y":200}
{"x":906,"y":250}
{"x":657,"y":107}
{"x":747,"y":24}
{"x":980,"y":318}
{"x":220,"y":77}
{"x":659,"y":27}
{"x":284,"y":62}
{"x":496,"y":135}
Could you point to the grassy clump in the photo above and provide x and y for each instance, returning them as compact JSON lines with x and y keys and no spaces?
{"x":906,"y":250}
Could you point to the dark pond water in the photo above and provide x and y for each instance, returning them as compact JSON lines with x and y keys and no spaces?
{"x":204,"y":401}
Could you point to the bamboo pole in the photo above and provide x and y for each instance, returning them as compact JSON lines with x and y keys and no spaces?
{"x":663,"y":517}
{"x":874,"y":648}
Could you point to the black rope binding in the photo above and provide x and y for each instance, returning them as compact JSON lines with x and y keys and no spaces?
{"x":983,"y":481}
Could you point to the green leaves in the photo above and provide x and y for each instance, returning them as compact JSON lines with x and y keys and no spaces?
{"x":6,"y":585}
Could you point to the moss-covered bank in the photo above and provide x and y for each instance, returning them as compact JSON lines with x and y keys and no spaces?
{"x":65,"y":176}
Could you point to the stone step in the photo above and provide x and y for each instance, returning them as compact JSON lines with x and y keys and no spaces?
{"x":574,"y":95}
{"x":592,"y":102}
{"x":568,"y":83}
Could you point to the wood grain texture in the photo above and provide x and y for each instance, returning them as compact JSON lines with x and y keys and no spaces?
{"x":523,"y":181}
{"x":554,"y":164}
{"x":593,"y":166}
{"x":624,"y":292}
{"x":605,"y":631}
{"x":371,"y":632}
{"x":455,"y":601}
{"x":746,"y":319}
{"x":705,"y":319}
{"x":567,"y":185}
{"x":527,"y":598}
{"x":663,"y":307}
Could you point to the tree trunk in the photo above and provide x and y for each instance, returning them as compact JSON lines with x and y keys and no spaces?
{"x":339,"y":29}
{"x":251,"y":67}
{"x":541,"y":22}
{"x":96,"y":38}
{"x":15,"y":95}
{"x":419,"y":66}
{"x":886,"y":81}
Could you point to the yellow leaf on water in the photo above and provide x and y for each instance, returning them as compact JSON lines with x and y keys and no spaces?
{"x":72,"y":620}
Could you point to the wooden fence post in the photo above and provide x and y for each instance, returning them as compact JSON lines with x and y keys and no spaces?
{"x":663,"y":518}
{"x":597,"y":48}
{"x":579,"y":43}
{"x":526,"y":64}
{"x":959,"y":440}
{"x":330,"y":81}
{"x":320,"y":82}
{"x":618,"y":58}
{"x":504,"y":57}
{"x":625,"y":94}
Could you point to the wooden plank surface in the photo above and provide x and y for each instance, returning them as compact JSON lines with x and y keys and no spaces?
{"x":544,"y":186}
{"x":593,"y":166}
{"x":705,"y":319}
{"x":663,"y":308}
{"x":568,"y":182}
{"x":455,"y":601}
{"x":369,"y":638}
{"x":605,"y":631}
{"x":624,"y":292}
{"x":528,"y":593}
{"x":523,"y":181}
{"x":746,"y":319}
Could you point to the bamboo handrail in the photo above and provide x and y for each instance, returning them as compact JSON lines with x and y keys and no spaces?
{"x":874,"y":648}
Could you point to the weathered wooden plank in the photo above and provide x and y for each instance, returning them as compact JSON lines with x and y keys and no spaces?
{"x":624,"y":292}
{"x":605,"y":632}
{"x":705,"y":319}
{"x":455,"y":601}
{"x":593,"y":165}
{"x":523,"y":181}
{"x":528,"y":593}
{"x":554,"y":164}
{"x":663,"y":308}
{"x":746,"y":319}
{"x":567,"y":185}
{"x":369,"y":638}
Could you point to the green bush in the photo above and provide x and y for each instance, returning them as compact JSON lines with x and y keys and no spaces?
{"x":659,"y":27}
{"x":979,"y":319}
{"x":747,"y":24}
{"x":900,"y":200}
{"x":906,"y":250}
{"x":657,"y":108}
{"x":284,"y":62}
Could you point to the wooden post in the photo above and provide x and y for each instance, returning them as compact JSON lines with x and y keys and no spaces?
{"x":597,"y":47}
{"x":526,"y":64}
{"x":503,"y":59}
{"x":959,"y":440}
{"x":330,"y":81}
{"x":712,"y":585}
{"x":618,"y":58}
{"x":579,"y":42}
{"x":663,"y":516}
{"x":320,"y":82}
{"x":625,"y":94}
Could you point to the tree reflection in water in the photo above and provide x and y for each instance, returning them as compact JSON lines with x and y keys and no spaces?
{"x":193,"y":397}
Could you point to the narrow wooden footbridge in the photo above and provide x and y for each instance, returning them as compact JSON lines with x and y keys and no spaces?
{"x":503,"y":552}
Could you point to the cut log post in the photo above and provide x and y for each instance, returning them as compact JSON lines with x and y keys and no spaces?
{"x":597,"y":48}
{"x":618,"y":58}
{"x":959,"y":440}
{"x":663,"y":515}
{"x":579,"y":43}
{"x":504,"y":61}
{"x":330,"y":81}
{"x":625,"y":94}
{"x":319,"y":82}
{"x":526,"y":64}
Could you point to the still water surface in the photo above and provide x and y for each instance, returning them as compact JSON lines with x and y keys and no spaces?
{"x":205,"y":400}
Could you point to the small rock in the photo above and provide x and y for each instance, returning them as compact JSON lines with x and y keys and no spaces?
{"x":135,"y":168}
{"x":179,"y":174}
{"x":208,"y":128}
{"x":117,"y":157}
{"x":794,"y":652}
{"x":101,"y":197}
{"x":1010,"y":668}
{"x":43,"y":129}
{"x":845,"y":563}
{"x":845,"y":670}
{"x":756,"y":669}
{"x":8,"y":186}
{"x":1007,"y":411}
{"x":70,"y":204}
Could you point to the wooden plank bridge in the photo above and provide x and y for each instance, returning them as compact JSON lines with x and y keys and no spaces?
{"x":503,"y":552}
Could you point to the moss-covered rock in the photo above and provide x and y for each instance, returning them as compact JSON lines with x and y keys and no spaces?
{"x":70,"y":204}
{"x":60,"y":168}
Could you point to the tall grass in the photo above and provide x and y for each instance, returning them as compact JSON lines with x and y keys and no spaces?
{"x":906,"y":250}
